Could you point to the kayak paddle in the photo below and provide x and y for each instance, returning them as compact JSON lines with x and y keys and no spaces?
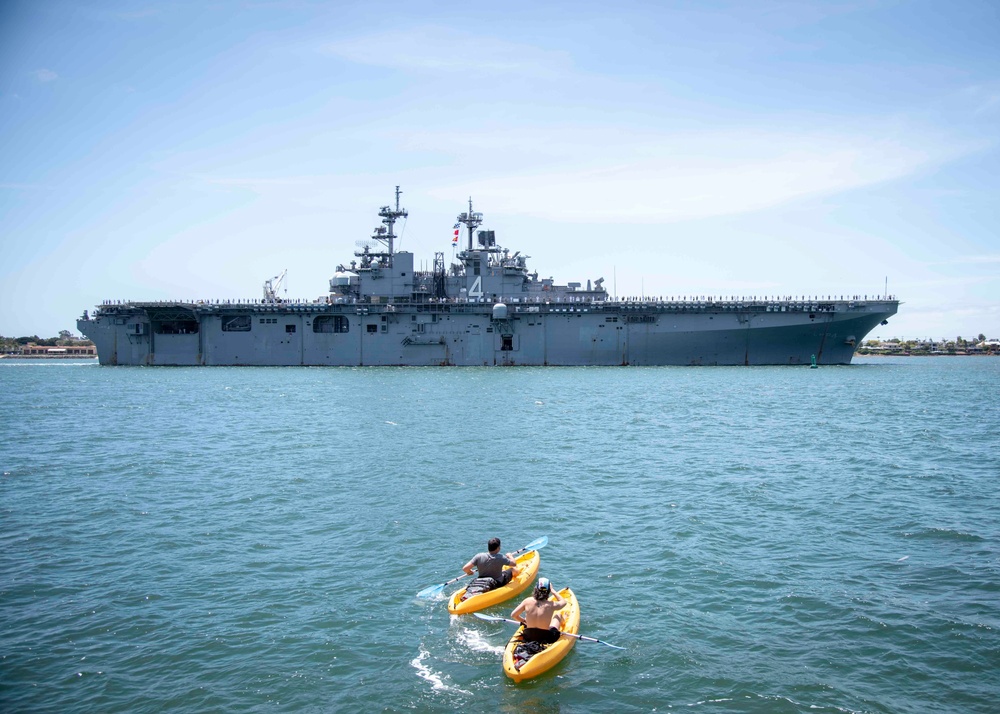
{"x":435,"y":589}
{"x":492,"y":618}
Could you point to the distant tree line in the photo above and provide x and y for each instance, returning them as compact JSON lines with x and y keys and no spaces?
{"x":65,"y":339}
{"x":959,"y":345}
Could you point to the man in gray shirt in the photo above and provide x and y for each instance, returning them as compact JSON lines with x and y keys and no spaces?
{"x":490,"y":565}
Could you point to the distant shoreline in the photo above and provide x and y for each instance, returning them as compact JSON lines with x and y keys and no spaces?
{"x":86,"y":357}
{"x":926,"y":354}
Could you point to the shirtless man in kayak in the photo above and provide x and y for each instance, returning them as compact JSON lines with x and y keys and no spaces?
{"x":542,"y":622}
{"x":490,"y":564}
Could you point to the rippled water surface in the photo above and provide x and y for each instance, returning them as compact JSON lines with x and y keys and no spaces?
{"x":252,"y":539}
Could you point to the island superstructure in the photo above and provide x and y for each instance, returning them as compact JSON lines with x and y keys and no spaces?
{"x":484,"y":309}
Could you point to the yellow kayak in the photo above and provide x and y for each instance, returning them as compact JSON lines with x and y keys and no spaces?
{"x":528,"y":568}
{"x":552,"y":654}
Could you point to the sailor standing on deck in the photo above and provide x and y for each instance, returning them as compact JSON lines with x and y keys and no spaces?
{"x":490,"y":567}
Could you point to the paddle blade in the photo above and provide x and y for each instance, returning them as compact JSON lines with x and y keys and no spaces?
{"x":608,"y":644}
{"x":431,"y":591}
{"x":536,"y":544}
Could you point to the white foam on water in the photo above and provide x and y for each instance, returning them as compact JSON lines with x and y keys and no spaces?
{"x":475,"y":641}
{"x":436,"y":679}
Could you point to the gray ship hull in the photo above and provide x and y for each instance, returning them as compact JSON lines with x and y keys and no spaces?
{"x":485,"y":309}
{"x":610,"y":333}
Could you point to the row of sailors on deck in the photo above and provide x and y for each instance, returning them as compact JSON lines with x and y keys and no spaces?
{"x":558,"y":298}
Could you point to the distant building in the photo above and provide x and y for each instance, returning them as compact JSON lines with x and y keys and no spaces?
{"x":895,"y":347}
{"x":77,"y":351}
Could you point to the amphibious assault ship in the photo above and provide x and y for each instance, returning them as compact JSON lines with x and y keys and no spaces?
{"x":485,"y":308}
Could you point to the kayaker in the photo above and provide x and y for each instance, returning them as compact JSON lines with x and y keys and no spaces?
{"x":541,"y":621}
{"x":490,"y":565}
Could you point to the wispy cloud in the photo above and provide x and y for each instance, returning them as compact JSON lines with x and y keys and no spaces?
{"x":972,"y":260}
{"x":671,"y":178}
{"x":985,"y":97}
{"x":45,"y":75}
{"x":257,"y":183}
{"x":445,"y":49}
{"x":573,"y":174}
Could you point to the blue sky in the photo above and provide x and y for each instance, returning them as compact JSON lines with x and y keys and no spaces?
{"x":191,"y":150}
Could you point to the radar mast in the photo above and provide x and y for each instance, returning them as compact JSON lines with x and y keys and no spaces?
{"x":471,"y":220}
{"x":385,"y":234}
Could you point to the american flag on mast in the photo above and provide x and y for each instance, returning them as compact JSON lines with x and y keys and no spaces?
{"x":454,"y":236}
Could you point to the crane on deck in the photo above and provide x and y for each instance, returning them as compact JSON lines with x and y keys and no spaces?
{"x":272,"y":285}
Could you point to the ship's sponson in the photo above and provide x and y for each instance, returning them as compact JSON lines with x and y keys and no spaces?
{"x":465,"y":332}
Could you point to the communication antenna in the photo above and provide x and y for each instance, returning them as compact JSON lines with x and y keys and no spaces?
{"x":472,"y":221}
{"x":389,"y":218}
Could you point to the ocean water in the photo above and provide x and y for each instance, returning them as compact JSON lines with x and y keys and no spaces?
{"x":252,"y":540}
